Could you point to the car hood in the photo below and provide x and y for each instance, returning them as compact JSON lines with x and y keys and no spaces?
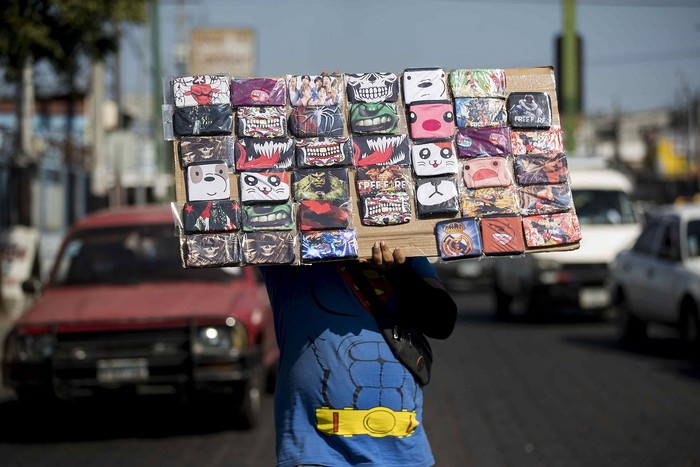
{"x":599,"y":244}
{"x":141,"y":302}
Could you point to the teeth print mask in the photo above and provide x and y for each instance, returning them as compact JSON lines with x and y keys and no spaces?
{"x":262,"y":154}
{"x":372,"y":87}
{"x":267,"y":217}
{"x":323,"y":152}
{"x":261,"y":122}
{"x":380,"y":150}
{"x":386,"y":208}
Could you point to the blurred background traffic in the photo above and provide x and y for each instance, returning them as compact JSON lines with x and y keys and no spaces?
{"x":81,"y":123}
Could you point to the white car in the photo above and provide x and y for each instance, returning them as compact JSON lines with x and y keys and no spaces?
{"x":658,"y":279}
{"x":575,"y":279}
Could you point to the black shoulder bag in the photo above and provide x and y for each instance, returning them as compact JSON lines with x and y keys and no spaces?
{"x":409,"y":345}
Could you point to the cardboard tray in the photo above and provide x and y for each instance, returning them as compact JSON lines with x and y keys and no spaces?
{"x":417,"y":237}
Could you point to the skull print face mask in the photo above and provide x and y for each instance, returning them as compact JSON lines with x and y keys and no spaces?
{"x":372,"y":87}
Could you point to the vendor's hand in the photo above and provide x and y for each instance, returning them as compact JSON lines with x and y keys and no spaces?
{"x":384,"y":257}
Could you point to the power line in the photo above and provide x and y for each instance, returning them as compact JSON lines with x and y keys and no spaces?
{"x":600,"y":3}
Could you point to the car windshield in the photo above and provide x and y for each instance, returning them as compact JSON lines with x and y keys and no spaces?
{"x":603,"y":207}
{"x":144,"y":253}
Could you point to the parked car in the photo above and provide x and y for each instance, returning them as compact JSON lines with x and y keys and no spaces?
{"x":574,"y":280}
{"x":658,"y":279}
{"x":119,"y":314}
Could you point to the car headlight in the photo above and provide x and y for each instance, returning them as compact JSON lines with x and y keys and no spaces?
{"x":30,"y":348}
{"x":232,"y":336}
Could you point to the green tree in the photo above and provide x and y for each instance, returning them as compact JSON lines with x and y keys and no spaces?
{"x":64,"y":32}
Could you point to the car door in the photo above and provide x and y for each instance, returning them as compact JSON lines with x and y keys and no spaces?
{"x":633,"y":268}
{"x":660,"y":274}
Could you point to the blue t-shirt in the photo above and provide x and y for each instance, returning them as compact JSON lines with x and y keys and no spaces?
{"x":342,"y":398}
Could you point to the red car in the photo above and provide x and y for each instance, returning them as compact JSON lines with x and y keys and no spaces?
{"x":119,"y":314}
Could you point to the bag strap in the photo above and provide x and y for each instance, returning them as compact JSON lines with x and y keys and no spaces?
{"x":377,"y":306}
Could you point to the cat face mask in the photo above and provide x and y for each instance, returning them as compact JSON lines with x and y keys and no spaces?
{"x":436,"y":158}
{"x":264,"y":187}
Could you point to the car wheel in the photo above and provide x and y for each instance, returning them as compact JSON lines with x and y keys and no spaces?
{"x":631,"y":329}
{"x":690,"y":327}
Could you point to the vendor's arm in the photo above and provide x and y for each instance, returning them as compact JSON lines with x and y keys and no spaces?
{"x":424,"y":301}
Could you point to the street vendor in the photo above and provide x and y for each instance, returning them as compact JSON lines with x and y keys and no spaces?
{"x":342,"y":396}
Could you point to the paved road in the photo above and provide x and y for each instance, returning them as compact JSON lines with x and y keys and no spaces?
{"x":555,"y":393}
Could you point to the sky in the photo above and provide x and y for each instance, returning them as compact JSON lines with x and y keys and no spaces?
{"x":638,"y":54}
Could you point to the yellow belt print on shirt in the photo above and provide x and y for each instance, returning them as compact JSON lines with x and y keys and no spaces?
{"x":377,"y":422}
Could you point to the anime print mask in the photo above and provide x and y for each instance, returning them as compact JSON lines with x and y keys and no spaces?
{"x":323,"y":215}
{"x":203,"y":120}
{"x":211,"y":250}
{"x":207,"y":181}
{"x":502,"y":235}
{"x":258,"y":91}
{"x":386,"y":208}
{"x":479,"y":112}
{"x":486,"y":172}
{"x":372,"y":87}
{"x":307,"y":122}
{"x":437,"y":158}
{"x":431,"y":121}
{"x":379,"y":118}
{"x":323,"y":152}
{"x":458,"y":239}
{"x":261,"y":122}
{"x":376,"y":178}
{"x":380,"y":150}
{"x":264,"y":187}
{"x":436,"y":195}
{"x":264,"y":154}
{"x":315,"y":90}
{"x":191,"y":91}
{"x":268,"y":217}
{"x":551,"y":229}
{"x":328,"y":244}
{"x":536,"y":141}
{"x":478,"y":82}
{"x":545,"y":199}
{"x":315,"y":184}
{"x":533,"y":169}
{"x":529,"y":110}
{"x":478,"y":142}
{"x":488,"y":201}
{"x":424,"y":84}
{"x":193,"y":149}
{"x":268,"y":247}
{"x":211,"y":216}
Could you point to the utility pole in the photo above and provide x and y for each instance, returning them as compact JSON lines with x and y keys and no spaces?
{"x":570,"y":84}
{"x":157,"y":90}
